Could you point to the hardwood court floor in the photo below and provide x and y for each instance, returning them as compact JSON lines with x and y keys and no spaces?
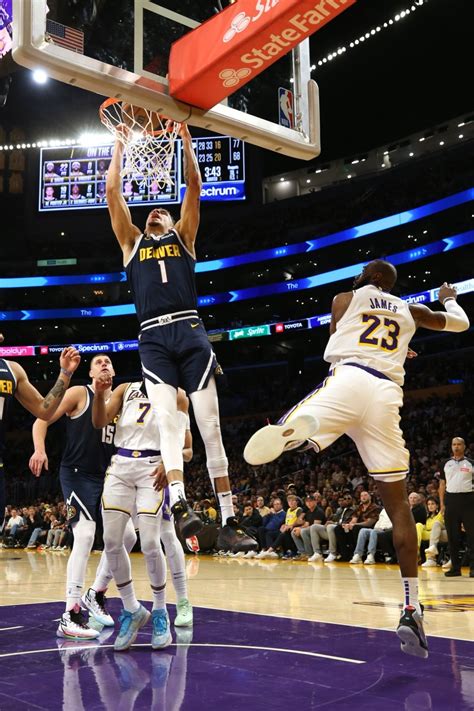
{"x":266,"y":634}
{"x":363,"y":596}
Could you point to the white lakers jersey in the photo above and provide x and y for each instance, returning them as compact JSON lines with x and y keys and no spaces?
{"x":137,"y":425}
{"x":375,"y":331}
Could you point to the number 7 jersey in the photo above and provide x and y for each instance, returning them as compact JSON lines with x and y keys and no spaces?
{"x":375,"y":331}
{"x":137,"y":425}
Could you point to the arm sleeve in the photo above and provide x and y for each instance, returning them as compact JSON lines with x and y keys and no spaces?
{"x":456,"y":317}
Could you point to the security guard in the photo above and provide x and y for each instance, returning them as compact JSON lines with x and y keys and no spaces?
{"x":456,"y":493}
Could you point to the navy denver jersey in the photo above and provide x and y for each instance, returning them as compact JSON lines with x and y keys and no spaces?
{"x":7,"y":393}
{"x":87,"y":449}
{"x":160,"y":272}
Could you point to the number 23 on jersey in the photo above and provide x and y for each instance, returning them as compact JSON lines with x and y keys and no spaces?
{"x":380,"y":332}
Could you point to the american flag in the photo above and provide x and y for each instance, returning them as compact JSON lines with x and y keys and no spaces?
{"x":65,"y":36}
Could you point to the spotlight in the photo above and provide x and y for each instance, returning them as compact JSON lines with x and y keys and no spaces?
{"x":40,"y":76}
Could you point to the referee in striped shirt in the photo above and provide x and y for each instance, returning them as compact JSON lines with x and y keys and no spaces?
{"x":456,"y":494}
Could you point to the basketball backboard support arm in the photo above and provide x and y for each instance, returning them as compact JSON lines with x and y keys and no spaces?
{"x":32,"y":49}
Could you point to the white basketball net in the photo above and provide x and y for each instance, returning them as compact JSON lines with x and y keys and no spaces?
{"x":148,"y":139}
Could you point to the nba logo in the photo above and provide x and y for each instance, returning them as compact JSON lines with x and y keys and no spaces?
{"x":285,"y":108}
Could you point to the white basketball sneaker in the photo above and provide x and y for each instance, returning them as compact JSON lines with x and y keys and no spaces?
{"x":272,"y":440}
{"x":95,"y":602}
{"x":73,"y":625}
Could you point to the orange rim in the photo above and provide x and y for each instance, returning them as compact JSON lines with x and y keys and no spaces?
{"x":111,"y":102}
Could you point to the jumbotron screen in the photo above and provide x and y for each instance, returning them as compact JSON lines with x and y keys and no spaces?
{"x":73,"y":178}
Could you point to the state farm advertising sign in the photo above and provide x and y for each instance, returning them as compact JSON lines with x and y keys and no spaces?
{"x":228,"y":50}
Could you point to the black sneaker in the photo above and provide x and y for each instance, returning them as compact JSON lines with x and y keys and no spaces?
{"x":232,"y":537}
{"x":187,"y":521}
{"x":411,"y":634}
{"x":453,"y":573}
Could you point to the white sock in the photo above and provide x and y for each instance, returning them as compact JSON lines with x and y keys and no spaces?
{"x":176,"y":489}
{"x":410,"y":587}
{"x":159,"y":596}
{"x":128,"y":597}
{"x":225,"y":504}
{"x":73,"y":595}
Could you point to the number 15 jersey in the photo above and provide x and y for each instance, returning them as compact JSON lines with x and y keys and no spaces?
{"x":375,"y":331}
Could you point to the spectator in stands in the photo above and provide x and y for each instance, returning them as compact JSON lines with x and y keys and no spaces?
{"x":209,"y":513}
{"x":418,"y":507}
{"x":251,"y":520}
{"x":419,"y":512}
{"x":325,"y":532}
{"x":40,"y":533}
{"x":55,"y":529}
{"x":237,"y":507}
{"x":284,"y":541}
{"x":433,"y":531}
{"x":301,"y":535}
{"x":13,"y":527}
{"x":270,"y":529}
{"x":365,"y":516}
{"x":368,"y":537}
{"x":262,"y":509}
{"x":32,"y":522}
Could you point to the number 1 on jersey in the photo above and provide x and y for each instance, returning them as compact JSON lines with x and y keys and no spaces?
{"x":164,"y":275}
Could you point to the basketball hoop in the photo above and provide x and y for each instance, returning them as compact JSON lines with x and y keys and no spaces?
{"x":148,"y":139}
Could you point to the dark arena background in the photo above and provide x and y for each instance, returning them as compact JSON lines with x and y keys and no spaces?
{"x":278,"y":239}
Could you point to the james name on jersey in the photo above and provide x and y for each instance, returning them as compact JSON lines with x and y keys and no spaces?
{"x":376,"y":303}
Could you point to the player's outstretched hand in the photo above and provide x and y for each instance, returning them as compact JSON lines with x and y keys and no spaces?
{"x":38,"y":460}
{"x":103,"y":382}
{"x":160,"y":480}
{"x":184,"y":132}
{"x":69,"y":359}
{"x":447,"y":291}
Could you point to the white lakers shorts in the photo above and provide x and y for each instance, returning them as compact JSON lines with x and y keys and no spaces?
{"x":355,"y":402}
{"x":128,"y":486}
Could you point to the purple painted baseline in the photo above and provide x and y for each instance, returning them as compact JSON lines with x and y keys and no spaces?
{"x":194,"y":678}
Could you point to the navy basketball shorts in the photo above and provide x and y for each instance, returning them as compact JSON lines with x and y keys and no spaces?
{"x":178,"y":354}
{"x":82,"y":491}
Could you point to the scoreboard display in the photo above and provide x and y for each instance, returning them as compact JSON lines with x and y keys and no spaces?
{"x":74,"y":178}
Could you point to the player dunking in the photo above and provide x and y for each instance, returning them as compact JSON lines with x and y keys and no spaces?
{"x":84,"y":461}
{"x":14,"y":383}
{"x":361,"y":397}
{"x":173,"y":344}
{"x":129,"y":489}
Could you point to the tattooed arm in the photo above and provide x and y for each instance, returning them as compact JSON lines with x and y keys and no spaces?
{"x":45,"y":407}
{"x":188,"y":223}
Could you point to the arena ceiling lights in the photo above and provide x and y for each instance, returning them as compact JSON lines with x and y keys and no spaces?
{"x":372,"y":32}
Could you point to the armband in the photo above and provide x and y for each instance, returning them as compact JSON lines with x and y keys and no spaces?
{"x":67,"y":373}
